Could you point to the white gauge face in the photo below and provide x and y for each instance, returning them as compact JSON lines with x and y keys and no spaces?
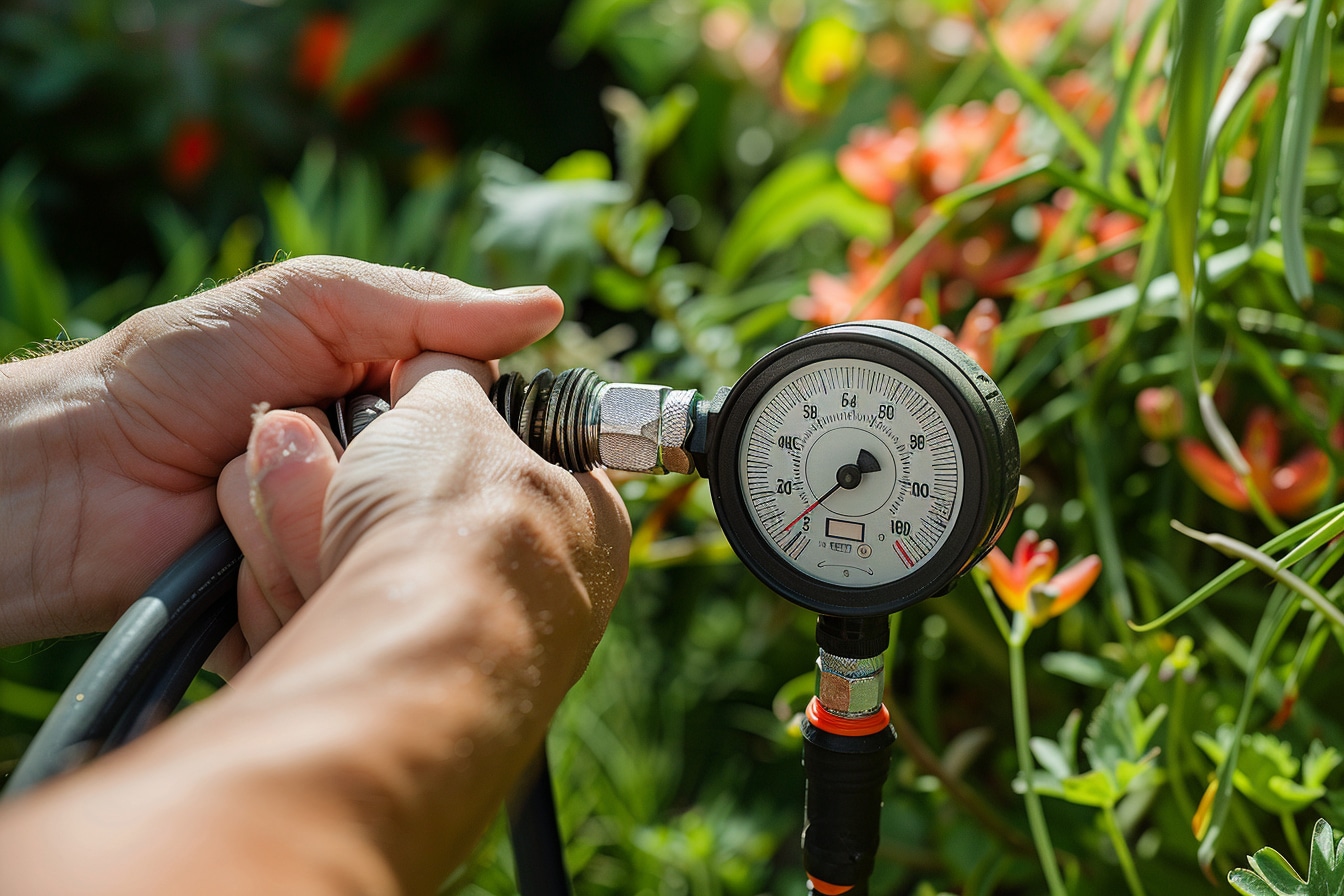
{"x":852,"y":472}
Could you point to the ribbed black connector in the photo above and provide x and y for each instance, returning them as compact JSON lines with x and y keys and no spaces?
{"x":556,"y":416}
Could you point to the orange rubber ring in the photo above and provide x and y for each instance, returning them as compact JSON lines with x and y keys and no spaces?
{"x":826,"y":889}
{"x":828,"y":721}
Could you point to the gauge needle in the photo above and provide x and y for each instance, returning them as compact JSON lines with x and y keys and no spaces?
{"x":848,"y":476}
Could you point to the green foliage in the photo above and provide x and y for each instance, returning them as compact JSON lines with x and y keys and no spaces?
{"x":702,"y":180}
{"x":1116,"y":747}
{"x":1267,"y":769}
{"x":1270,"y":874}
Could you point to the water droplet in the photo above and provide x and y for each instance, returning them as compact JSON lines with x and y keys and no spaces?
{"x":525,"y":707}
{"x":463,"y":748}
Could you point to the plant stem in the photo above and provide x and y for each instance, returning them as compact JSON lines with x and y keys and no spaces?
{"x":1294,"y":838}
{"x":1122,"y":851}
{"x":1022,"y":733}
{"x":1175,"y":739}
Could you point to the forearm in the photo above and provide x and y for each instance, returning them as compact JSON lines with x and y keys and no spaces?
{"x":319,"y":772}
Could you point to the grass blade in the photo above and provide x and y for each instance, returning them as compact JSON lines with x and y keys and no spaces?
{"x":1305,"y":90}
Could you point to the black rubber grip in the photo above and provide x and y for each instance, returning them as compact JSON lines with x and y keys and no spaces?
{"x":843,"y":809}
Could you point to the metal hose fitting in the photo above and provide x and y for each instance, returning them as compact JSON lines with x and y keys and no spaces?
{"x":580,"y":421}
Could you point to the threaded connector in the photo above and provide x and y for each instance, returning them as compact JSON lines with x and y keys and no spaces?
{"x":580,"y":421}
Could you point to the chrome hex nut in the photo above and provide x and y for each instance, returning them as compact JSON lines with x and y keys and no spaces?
{"x":630,"y":418}
{"x":675,"y":431}
{"x":849,"y":687}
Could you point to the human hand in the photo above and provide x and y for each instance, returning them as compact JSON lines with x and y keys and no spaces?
{"x":443,"y":456}
{"x":463,"y":583}
{"x":112,"y":450}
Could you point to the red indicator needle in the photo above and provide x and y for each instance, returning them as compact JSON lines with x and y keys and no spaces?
{"x":811,"y":508}
{"x":848,"y":476}
{"x":900,"y":549}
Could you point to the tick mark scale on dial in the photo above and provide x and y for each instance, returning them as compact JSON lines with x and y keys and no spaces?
{"x":905,"y":556}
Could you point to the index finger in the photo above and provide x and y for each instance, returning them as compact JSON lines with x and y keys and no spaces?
{"x":368,"y":312}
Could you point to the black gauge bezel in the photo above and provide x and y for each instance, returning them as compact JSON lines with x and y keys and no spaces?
{"x":980,"y":422}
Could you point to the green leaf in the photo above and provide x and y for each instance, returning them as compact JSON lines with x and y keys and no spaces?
{"x":1276,"y":872}
{"x":1094,"y":788}
{"x":542,"y":231}
{"x":1162,"y":293}
{"x":636,"y":236}
{"x":33,"y":293}
{"x":589,"y":21}
{"x":619,"y":290}
{"x":1285,"y":795}
{"x":586,"y":164}
{"x":1317,"y":539}
{"x":1192,"y":81}
{"x":1080,"y":667}
{"x":1114,"y":731}
{"x":826,"y":51}
{"x":381,"y":31}
{"x":1278,"y":613}
{"x":1237,"y":570}
{"x":1325,"y":870}
{"x":1319,"y":762}
{"x":800,"y":194}
{"x":295,"y":231}
{"x":26,"y":701}
{"x":1305,"y":88}
{"x":1248,"y":883}
{"x":667,"y":118}
{"x":1051,"y":758}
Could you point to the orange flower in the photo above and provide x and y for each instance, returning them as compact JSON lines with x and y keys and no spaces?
{"x":957,"y":139}
{"x":831,"y":298}
{"x":1289,"y":489}
{"x":1025,"y":36}
{"x":976,"y":337}
{"x":1028,"y":584}
{"x":982,"y":266}
{"x":957,"y":145}
{"x":877,"y":162}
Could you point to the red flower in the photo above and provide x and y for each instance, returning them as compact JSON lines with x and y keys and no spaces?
{"x":1289,"y":489}
{"x":320,"y":51}
{"x":1028,"y":583}
{"x":190,"y":152}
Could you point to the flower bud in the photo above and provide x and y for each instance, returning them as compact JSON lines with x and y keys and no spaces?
{"x":1161,"y":412}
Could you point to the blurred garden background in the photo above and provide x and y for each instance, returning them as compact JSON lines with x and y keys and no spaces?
{"x":1130,"y":213}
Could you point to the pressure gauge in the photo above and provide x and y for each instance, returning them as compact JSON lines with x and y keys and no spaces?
{"x":863,"y":467}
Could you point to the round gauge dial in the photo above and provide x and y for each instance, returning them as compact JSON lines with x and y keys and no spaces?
{"x":852,"y":472}
{"x":863,"y":467}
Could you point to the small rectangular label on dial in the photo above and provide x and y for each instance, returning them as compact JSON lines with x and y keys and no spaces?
{"x":846,"y":529}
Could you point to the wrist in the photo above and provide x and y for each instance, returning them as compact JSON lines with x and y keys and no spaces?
{"x":42,"y":401}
